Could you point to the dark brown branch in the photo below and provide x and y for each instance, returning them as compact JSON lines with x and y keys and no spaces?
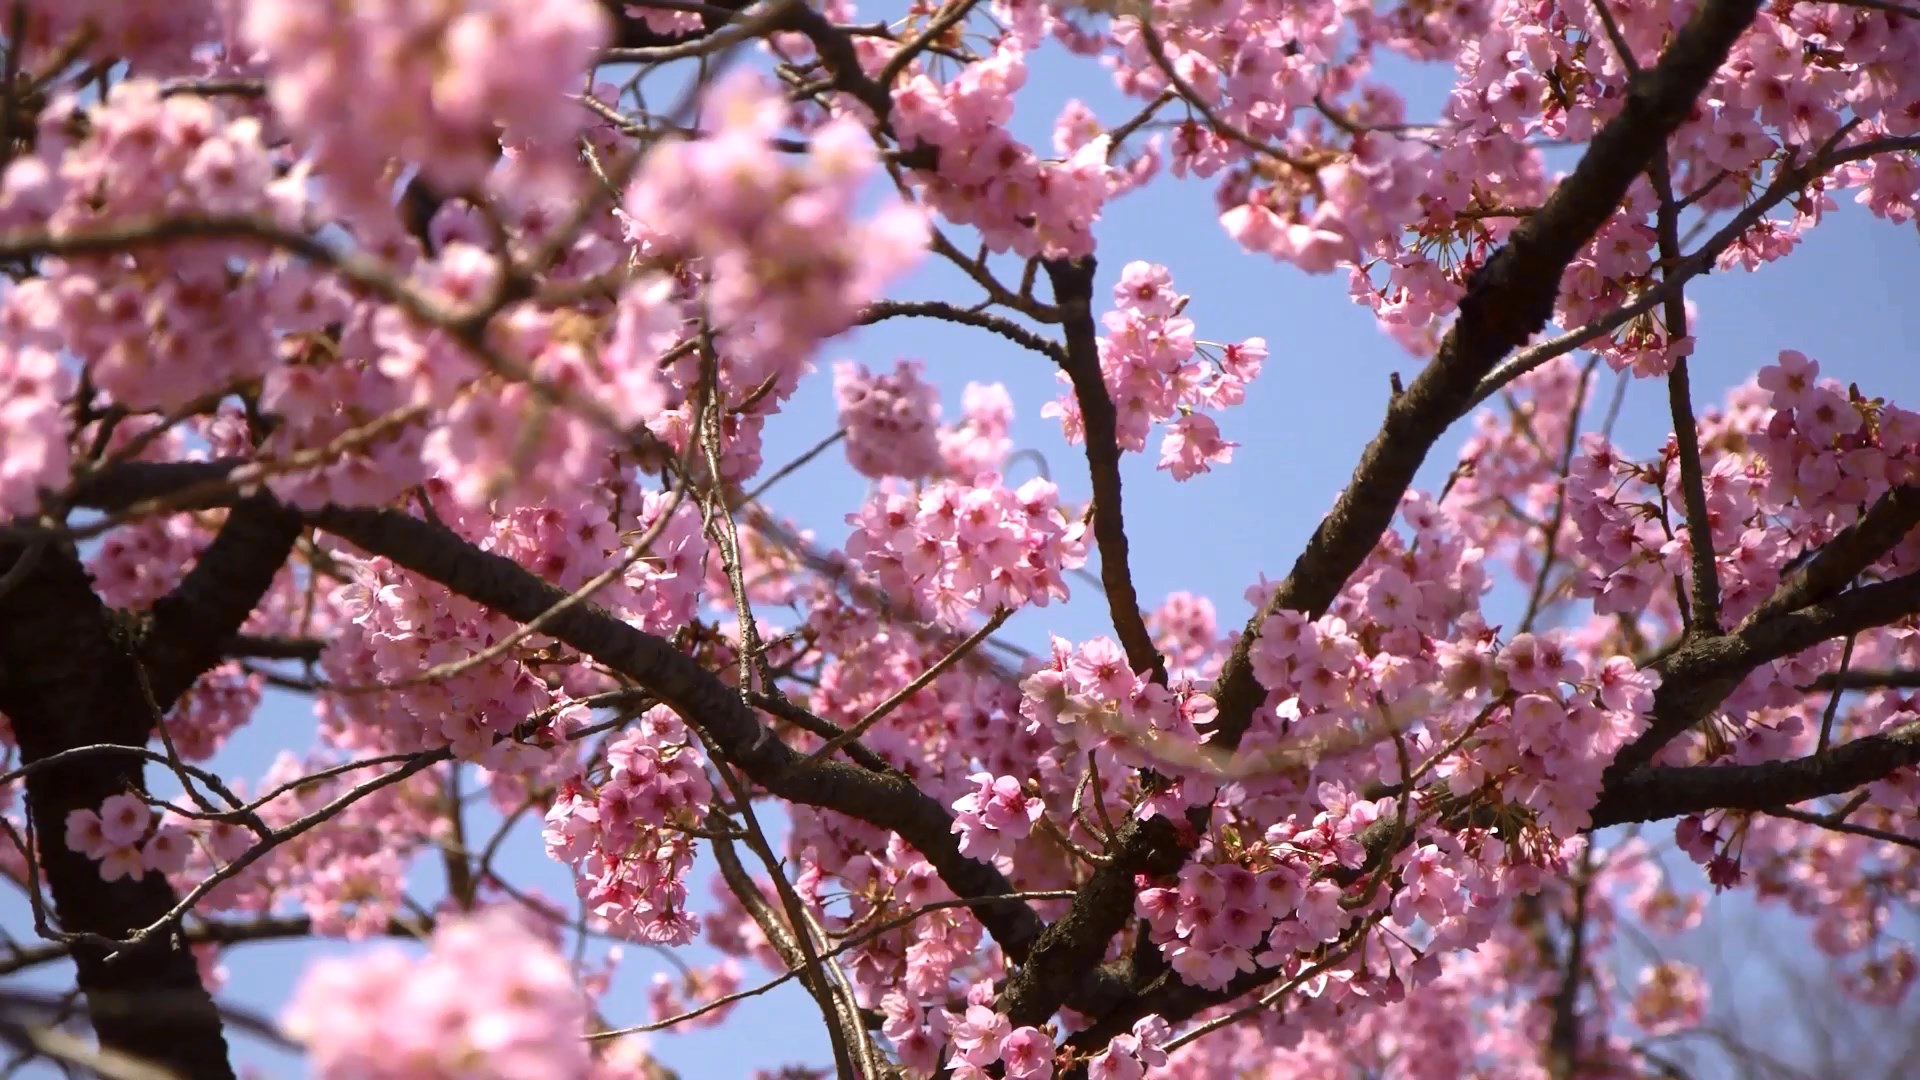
{"x":68,"y":678}
{"x":1869,"y":679}
{"x":985,"y":320}
{"x":257,"y":647}
{"x":1698,"y":675}
{"x":1073,"y":294}
{"x":1702,"y":615}
{"x":1655,"y":793}
{"x":1563,"y":1039}
{"x":1071,"y":947}
{"x":1705,"y":609}
{"x":843,"y":62}
{"x":1507,"y":301}
{"x":265,"y":928}
{"x":887,"y":799}
{"x":190,"y":626}
{"x":132,"y":482}
{"x":1841,"y":559}
{"x":1838,"y":823}
{"x":792,"y":942}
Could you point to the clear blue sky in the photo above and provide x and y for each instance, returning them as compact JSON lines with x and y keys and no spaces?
{"x":1847,"y":299}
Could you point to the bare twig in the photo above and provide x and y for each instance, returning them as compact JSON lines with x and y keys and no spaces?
{"x":935,"y":670}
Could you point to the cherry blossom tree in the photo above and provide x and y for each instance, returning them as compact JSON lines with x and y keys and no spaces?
{"x":415,"y":358}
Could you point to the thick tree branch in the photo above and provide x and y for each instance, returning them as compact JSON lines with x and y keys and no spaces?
{"x":265,"y":928}
{"x":1656,"y":793}
{"x":189,"y":628}
{"x":68,"y":678}
{"x":1869,"y":679}
{"x":886,"y":799}
{"x":1697,"y":676}
{"x":131,"y":483}
{"x":257,"y":647}
{"x":1841,"y":559}
{"x":1073,"y":294}
{"x":1507,"y":301}
{"x":1072,"y":945}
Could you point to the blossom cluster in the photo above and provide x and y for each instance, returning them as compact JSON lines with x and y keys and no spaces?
{"x":1324,"y":170}
{"x":123,"y":837}
{"x":784,"y":261}
{"x":628,"y":834}
{"x":979,"y":442}
{"x":1828,"y":448}
{"x":398,"y":623}
{"x":956,"y":549}
{"x":988,"y":179}
{"x":891,"y":421}
{"x":453,"y":77}
{"x":981,"y":1037}
{"x":893,"y":429}
{"x":33,"y":383}
{"x":1821,"y":453}
{"x":1155,"y":371}
{"x":994,"y":817}
{"x":492,"y":998}
{"x":164,"y":326}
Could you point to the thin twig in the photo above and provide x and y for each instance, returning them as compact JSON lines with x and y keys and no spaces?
{"x":880,"y":712}
{"x":1833,"y":701}
{"x":1834,"y":824}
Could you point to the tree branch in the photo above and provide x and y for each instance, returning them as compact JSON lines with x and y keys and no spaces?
{"x":1069,"y":951}
{"x":887,"y":799}
{"x":1507,"y":301}
{"x":1656,"y":793}
{"x":1699,"y":674}
{"x":1073,"y":294}
{"x":1837,"y":823}
{"x":258,"y":647}
{"x":1841,"y":559}
{"x":67,"y":679}
{"x":1869,"y":679}
{"x":265,"y":928}
{"x":985,"y":320}
{"x":190,"y":626}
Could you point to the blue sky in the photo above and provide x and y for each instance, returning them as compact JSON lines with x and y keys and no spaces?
{"x":1847,"y":298}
